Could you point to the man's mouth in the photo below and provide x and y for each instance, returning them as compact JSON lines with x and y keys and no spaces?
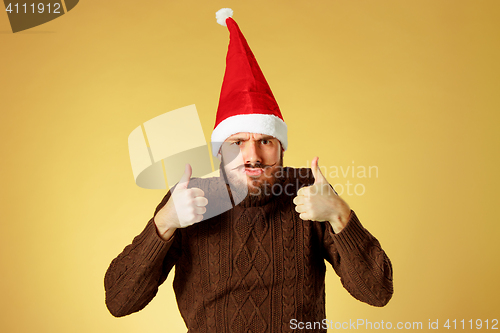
{"x":254,"y":171}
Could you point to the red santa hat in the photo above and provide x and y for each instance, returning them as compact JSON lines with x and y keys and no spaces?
{"x":246,"y":102}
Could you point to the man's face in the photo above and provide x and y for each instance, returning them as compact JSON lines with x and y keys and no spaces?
{"x":251,"y":161}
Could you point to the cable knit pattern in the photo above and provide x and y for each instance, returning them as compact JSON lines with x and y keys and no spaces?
{"x":214,"y":273}
{"x":249,"y":269}
{"x":289,"y":272}
{"x":250,"y":263}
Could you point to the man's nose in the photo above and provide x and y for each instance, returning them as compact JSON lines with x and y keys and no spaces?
{"x":251,"y":153}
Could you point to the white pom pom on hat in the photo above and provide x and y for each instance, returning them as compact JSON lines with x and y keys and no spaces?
{"x":222,"y":15}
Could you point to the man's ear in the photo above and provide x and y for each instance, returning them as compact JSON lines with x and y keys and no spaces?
{"x":219,"y":156}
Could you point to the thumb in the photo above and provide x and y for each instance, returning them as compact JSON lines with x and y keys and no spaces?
{"x":318,"y":176}
{"x":184,"y":181}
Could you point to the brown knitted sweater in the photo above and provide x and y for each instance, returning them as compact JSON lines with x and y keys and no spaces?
{"x":250,"y":269}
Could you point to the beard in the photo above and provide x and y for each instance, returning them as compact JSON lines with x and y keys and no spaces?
{"x":254,"y":191}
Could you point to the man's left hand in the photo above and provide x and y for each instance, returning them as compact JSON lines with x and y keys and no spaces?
{"x":319,"y":202}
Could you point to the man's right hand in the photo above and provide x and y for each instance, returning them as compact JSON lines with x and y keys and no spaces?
{"x":185,"y":207}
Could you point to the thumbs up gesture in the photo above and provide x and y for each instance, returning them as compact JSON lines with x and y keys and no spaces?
{"x":185,"y":207}
{"x":319,"y":202}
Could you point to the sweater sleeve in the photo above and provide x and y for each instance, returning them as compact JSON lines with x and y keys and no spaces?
{"x":133,"y":277}
{"x":359,"y":261}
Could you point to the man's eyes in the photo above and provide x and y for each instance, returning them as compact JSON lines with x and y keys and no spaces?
{"x":263,"y":141}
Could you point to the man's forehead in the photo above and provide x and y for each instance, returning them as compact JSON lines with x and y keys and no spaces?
{"x":249,"y":136}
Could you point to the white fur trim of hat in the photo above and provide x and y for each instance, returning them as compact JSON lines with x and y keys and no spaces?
{"x":252,"y":123}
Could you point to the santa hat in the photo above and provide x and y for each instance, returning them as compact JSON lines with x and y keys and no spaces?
{"x":246,"y":102}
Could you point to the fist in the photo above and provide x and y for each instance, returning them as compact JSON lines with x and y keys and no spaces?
{"x":319,"y":202}
{"x":185,"y":207}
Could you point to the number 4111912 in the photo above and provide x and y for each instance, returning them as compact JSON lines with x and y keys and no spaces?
{"x":478,"y":324}
{"x":40,"y":8}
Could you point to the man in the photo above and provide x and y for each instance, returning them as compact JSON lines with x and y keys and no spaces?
{"x":249,"y":247}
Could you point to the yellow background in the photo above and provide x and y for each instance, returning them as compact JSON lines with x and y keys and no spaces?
{"x":411,"y":87}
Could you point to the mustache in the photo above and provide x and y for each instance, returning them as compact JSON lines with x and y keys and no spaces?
{"x":254,"y":166}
